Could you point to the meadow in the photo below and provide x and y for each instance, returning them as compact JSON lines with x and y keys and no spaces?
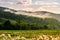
{"x":29,"y":34}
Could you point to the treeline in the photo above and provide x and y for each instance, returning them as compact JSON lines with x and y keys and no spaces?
{"x":10,"y":25}
{"x":11,"y":21}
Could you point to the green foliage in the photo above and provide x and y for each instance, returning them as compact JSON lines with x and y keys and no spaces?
{"x":30,"y":33}
{"x":11,"y":21}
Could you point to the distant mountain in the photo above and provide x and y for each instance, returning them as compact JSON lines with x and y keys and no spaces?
{"x":7,"y":9}
{"x":49,"y":14}
{"x":41,"y":14}
{"x":24,"y":11}
{"x":24,"y":21}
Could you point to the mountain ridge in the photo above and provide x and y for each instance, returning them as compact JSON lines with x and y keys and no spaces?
{"x":41,"y":14}
{"x":23,"y":22}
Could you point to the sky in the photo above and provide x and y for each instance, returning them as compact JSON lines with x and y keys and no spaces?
{"x":33,"y":5}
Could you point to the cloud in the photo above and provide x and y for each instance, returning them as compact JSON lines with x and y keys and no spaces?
{"x":42,"y":3}
{"x":11,"y":3}
{"x":46,"y":6}
{"x":28,"y":9}
{"x":38,"y":4}
{"x":28,"y":5}
{"x":51,"y":9}
{"x":24,"y":3}
{"x":18,"y":2}
{"x":7,"y":4}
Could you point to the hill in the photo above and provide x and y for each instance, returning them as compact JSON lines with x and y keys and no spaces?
{"x":7,"y":9}
{"x":12,"y":21}
{"x":40,"y":14}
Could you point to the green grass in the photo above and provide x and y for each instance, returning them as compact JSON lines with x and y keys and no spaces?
{"x":30,"y":33}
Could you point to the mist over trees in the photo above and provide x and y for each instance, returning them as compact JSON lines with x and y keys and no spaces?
{"x":11,"y":21}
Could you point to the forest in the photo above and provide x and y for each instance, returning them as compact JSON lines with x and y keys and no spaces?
{"x":12,"y":21}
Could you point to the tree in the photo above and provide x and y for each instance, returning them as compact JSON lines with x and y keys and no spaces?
{"x":7,"y":25}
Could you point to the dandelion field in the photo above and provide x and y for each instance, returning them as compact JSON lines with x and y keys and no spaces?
{"x":29,"y":34}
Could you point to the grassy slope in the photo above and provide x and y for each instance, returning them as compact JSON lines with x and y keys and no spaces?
{"x":51,"y":23}
{"x":29,"y":33}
